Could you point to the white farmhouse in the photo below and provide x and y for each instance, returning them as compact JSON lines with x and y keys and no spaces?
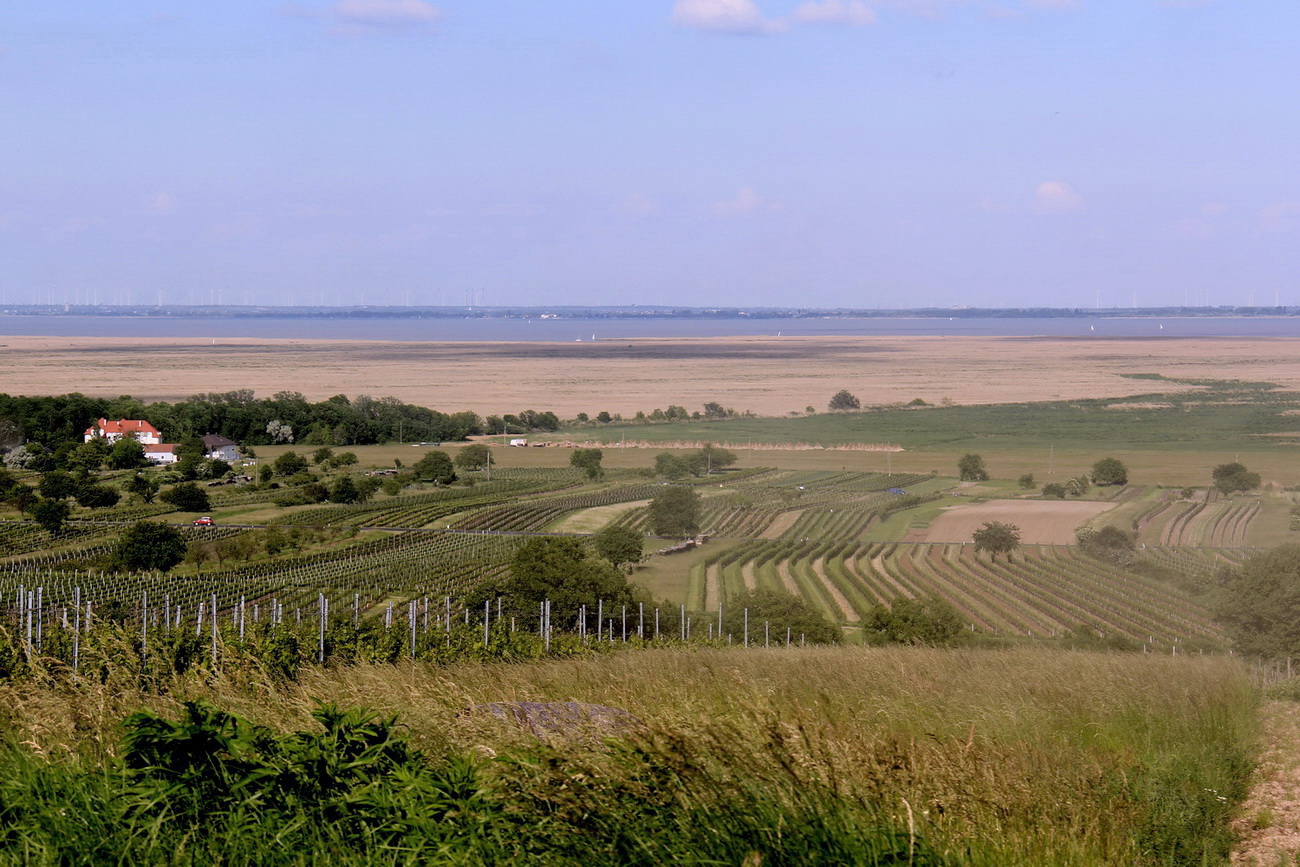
{"x":143,"y":432}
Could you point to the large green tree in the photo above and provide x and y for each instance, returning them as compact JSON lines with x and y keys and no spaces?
{"x":127,"y":454}
{"x":997,"y":538}
{"x":928,"y":620}
{"x":435,"y":467}
{"x":1234,"y":477}
{"x":843,"y":400}
{"x":589,"y":461}
{"x":675,"y":511}
{"x":970,"y":468}
{"x":563,"y":570}
{"x":150,"y":546}
{"x":475,"y":456}
{"x":188,"y":497}
{"x":1109,"y":471}
{"x":51,"y":515}
{"x":618,"y":545}
{"x":1258,"y":603}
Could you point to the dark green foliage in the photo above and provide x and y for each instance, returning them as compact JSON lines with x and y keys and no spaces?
{"x":1258,"y":603}
{"x":843,"y":400}
{"x":562,"y":569}
{"x":1234,"y":477}
{"x":970,"y":468}
{"x":57,"y":485}
{"x":150,"y":546}
{"x":1054,"y":489}
{"x":50,"y":514}
{"x":588,"y":460}
{"x":87,"y":457}
{"x":322,"y":455}
{"x":715,"y":410}
{"x":1026,"y":482}
{"x":187,"y":496}
{"x":709,"y":459}
{"x":928,"y":620}
{"x":127,"y":454}
{"x":289,"y":464}
{"x":1109,"y":471}
{"x":675,"y":512}
{"x":996,"y":538}
{"x":475,"y":456}
{"x":604,"y":417}
{"x":618,"y":545}
{"x":436,"y":467}
{"x":1109,"y":543}
{"x":97,"y":496}
{"x":774,"y":612}
{"x":672,"y":466}
{"x":344,"y":490}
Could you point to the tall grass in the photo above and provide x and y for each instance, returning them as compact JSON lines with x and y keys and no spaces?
{"x":836,"y":755}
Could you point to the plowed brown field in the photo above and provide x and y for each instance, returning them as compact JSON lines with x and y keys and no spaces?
{"x":1041,"y":522}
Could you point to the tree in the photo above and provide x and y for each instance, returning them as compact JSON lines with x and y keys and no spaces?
{"x":344,"y":490}
{"x":321,"y":455}
{"x":713,"y":409}
{"x":188,"y":497}
{"x":561,"y":569}
{"x":716,"y":457}
{"x":671,"y":466}
{"x":1259,"y":603}
{"x":604,"y":417}
{"x":473,"y":457}
{"x":127,"y":454}
{"x":971,"y":468}
{"x":1109,"y":471}
{"x":435,"y":467}
{"x":589,"y":460}
{"x":289,"y":464}
{"x":1234,"y":477}
{"x":50,"y":514}
{"x":150,"y":546}
{"x":997,"y":538}
{"x":1026,"y":482}
{"x":675,"y":512}
{"x":843,"y":400}
{"x":57,"y":485}
{"x":1054,"y":489}
{"x":928,"y":620}
{"x":618,"y":545}
{"x":97,"y":496}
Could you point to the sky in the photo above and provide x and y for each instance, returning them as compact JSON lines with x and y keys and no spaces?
{"x":766,"y":153}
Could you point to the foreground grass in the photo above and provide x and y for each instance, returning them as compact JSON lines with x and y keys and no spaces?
{"x":802,"y":756}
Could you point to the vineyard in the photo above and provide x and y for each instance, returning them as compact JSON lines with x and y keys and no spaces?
{"x":814,"y":534}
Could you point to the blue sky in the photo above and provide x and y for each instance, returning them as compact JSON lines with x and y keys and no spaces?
{"x":881,"y":153}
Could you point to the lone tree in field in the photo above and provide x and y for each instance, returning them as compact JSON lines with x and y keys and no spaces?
{"x":1109,"y":471}
{"x":618,"y":545}
{"x":675,"y":512}
{"x":436,"y":467}
{"x":1234,"y":477}
{"x":844,"y":400}
{"x":561,"y":569}
{"x":188,"y":497}
{"x":971,"y":468}
{"x":150,"y":545}
{"x":997,"y":538}
{"x":588,"y":460}
{"x":474,"y":457}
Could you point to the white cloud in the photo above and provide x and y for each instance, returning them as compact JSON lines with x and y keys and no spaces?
{"x":747,"y":201}
{"x":854,"y":13}
{"x":386,"y":13}
{"x":1280,"y":217}
{"x":160,"y":204}
{"x":1056,"y":197}
{"x":724,"y":16}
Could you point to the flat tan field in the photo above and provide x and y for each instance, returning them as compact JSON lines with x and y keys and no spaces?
{"x":1040,"y":522}
{"x":766,"y":375}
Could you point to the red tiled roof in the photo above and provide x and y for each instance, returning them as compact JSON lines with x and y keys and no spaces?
{"x":122,"y":426}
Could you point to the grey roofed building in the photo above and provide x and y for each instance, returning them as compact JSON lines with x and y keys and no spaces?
{"x":220,"y":448}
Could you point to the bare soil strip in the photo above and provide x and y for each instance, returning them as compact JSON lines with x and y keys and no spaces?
{"x":749,"y":575}
{"x":841,"y":602}
{"x":783,"y":522}
{"x":712,"y":585}
{"x":767,"y":375}
{"x":783,"y":569}
{"x":1041,"y":522}
{"x":1269,"y":824}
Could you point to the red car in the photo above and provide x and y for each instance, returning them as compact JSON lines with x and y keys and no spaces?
{"x":205,"y":522}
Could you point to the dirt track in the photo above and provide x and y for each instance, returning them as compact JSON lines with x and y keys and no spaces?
{"x":1041,"y":522}
{"x":767,"y":375}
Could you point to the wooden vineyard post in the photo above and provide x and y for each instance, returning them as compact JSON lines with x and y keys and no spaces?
{"x":356,"y":610}
{"x":198,"y":622}
{"x":76,"y":632}
{"x":767,"y":633}
{"x":214,"y":629}
{"x":719,"y":618}
{"x":787,"y":636}
{"x":747,"y":627}
{"x":144,"y":629}
{"x":656,"y":624}
{"x":600,"y":618}
{"x":640,"y":624}
{"x":683,"y":623}
{"x":546,"y":620}
{"x":410,"y":615}
{"x":487,"y":620}
{"x":320,"y":633}
{"x":625,"y":624}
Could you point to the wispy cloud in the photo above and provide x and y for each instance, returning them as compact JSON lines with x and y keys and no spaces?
{"x":1280,"y":217}
{"x":159,"y":204}
{"x":747,"y":201}
{"x":854,"y":13}
{"x":724,"y":16}
{"x":1056,"y":197}
{"x":639,"y":205}
{"x":1054,"y":4}
{"x":362,"y":17}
